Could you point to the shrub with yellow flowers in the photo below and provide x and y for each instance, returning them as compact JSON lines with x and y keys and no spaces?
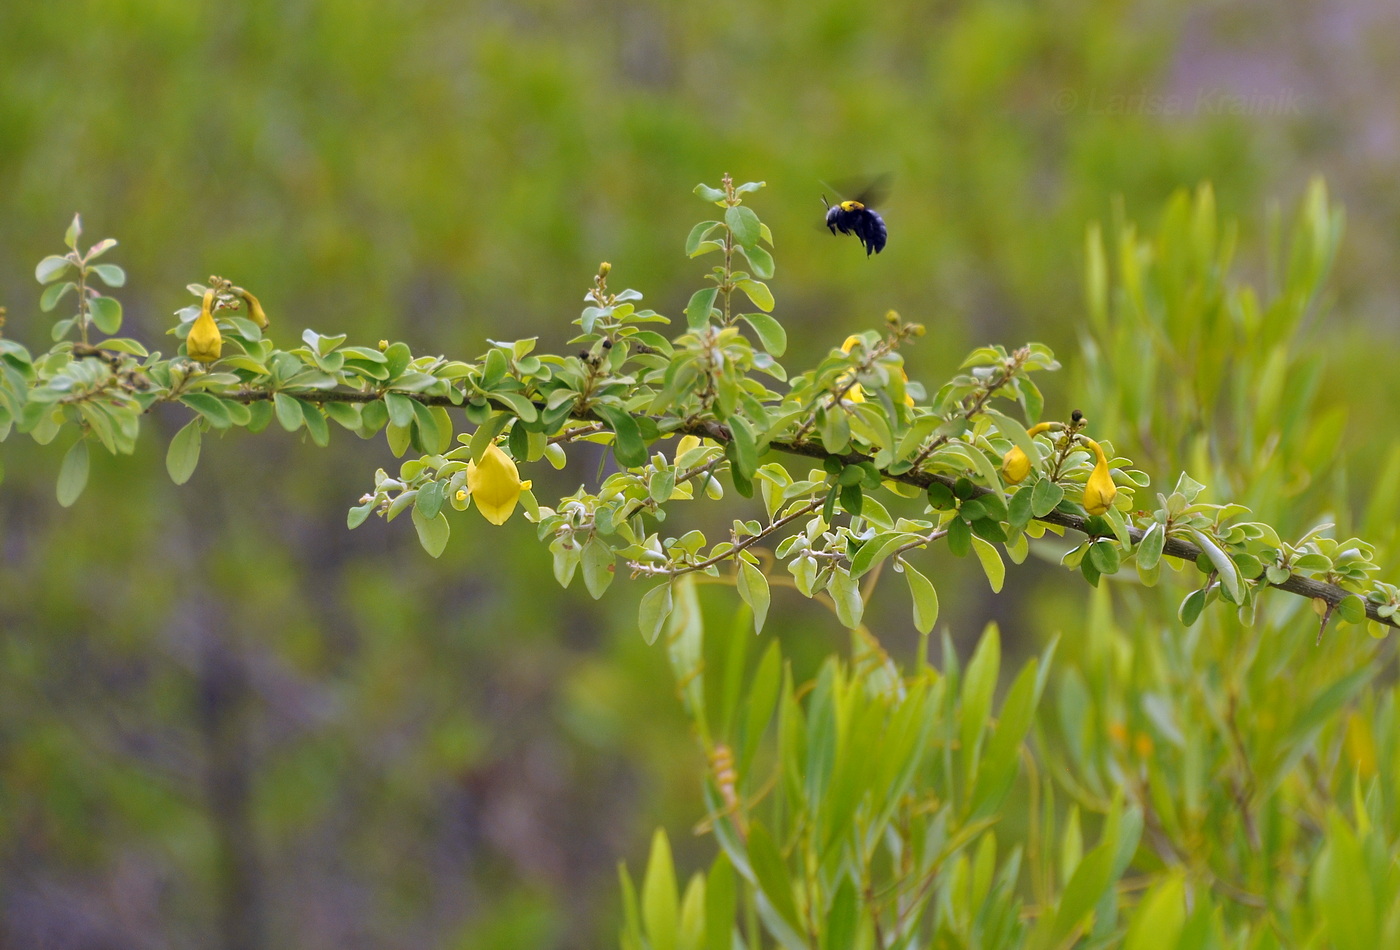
{"x":859,"y":829}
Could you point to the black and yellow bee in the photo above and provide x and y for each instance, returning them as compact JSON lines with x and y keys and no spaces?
{"x":855,"y":216}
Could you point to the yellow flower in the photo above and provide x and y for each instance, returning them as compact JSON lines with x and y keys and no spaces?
{"x":1099,"y":490}
{"x":255,"y":310}
{"x":1015,"y":466}
{"x":204,"y":342}
{"x":495,"y":484}
{"x":855,"y":393}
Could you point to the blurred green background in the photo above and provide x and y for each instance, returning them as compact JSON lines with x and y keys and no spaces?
{"x":225,"y":721}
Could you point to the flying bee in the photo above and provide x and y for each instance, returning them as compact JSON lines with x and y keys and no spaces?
{"x":855,"y":216}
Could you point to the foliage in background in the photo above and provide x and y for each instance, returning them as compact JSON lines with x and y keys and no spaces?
{"x":212,"y":696}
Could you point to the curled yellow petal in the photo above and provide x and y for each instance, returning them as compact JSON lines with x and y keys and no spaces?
{"x":255,"y":310}
{"x":1015,"y":466}
{"x":1099,"y":490}
{"x":1040,"y":427}
{"x":204,"y":342}
{"x":495,"y":485}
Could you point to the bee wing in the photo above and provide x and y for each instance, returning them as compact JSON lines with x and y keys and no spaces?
{"x":876,"y":190}
{"x":869,"y":190}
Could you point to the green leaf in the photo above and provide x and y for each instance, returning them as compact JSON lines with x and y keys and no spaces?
{"x":697,"y":312}
{"x":73,"y":473}
{"x":628,"y":445}
{"x":598,"y":567}
{"x":875,"y":550}
{"x":743,"y":224}
{"x":697,"y":234}
{"x":106,"y":314}
{"x":316,"y":425}
{"x":1105,"y":556}
{"x":742,"y":449}
{"x":400,"y":409}
{"x":1013,"y":430}
{"x":1045,"y":496}
{"x":430,"y":498}
{"x":75,"y":231}
{"x":721,"y":900}
{"x":1159,"y":918}
{"x":770,"y":332}
{"x":992,"y":564}
{"x":111,"y":274}
{"x":1149,"y":549}
{"x":53,"y":294}
{"x":925,"y":597}
{"x":1190,"y":610}
{"x":959,"y":538}
{"x":655,"y":608}
{"x":753,"y":590}
{"x":760,"y":260}
{"x":845,"y":593}
{"x":432,"y":532}
{"x":1019,"y":511}
{"x":843,"y":918}
{"x":210,"y":407}
{"x":660,"y":898}
{"x":356,"y":516}
{"x":758,"y":292}
{"x":1352,"y":608}
{"x":431,"y":438}
{"x":1225,"y":568}
{"x":708,"y":193}
{"x":289,"y":412}
{"x":773,"y":878}
{"x":51,"y":268}
{"x":183,"y":454}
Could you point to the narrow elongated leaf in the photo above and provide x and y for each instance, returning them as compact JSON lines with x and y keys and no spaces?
{"x":721,"y":900}
{"x":773,"y":878}
{"x":660,"y":898}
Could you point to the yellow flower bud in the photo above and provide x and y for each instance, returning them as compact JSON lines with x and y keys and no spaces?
{"x":1099,"y":490}
{"x":204,"y":342}
{"x":255,"y":310}
{"x":604,"y":269}
{"x":495,"y":484}
{"x":383,"y":345}
{"x":1015,"y":466}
